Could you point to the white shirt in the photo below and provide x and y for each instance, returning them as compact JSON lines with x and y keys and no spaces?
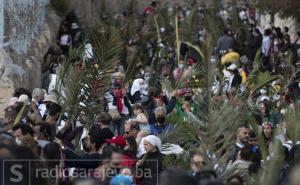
{"x":64,"y":40}
{"x":239,"y":145}
{"x":266,"y":45}
{"x":89,"y":51}
{"x":42,"y":108}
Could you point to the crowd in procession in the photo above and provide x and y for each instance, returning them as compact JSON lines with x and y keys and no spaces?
{"x":123,"y":145}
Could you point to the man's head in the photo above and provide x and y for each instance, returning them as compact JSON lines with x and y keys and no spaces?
{"x":92,"y":143}
{"x":44,"y":131}
{"x":160,"y":114}
{"x":54,"y":111}
{"x":49,"y":100}
{"x":113,"y":157}
{"x":176,"y":177}
{"x":197,"y":162}
{"x":21,"y":130}
{"x":132,"y":131}
{"x":38,"y":94}
{"x":243,"y":134}
{"x":253,"y":139}
{"x":104,"y":119}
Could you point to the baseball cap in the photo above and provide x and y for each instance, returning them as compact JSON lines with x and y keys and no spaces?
{"x":118,"y":140}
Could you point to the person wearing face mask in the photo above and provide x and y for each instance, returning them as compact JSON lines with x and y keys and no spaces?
{"x":21,"y":131}
{"x":181,"y":73}
{"x":160,"y":126}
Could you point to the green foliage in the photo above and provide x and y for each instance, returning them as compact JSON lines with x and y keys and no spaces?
{"x":97,"y":81}
{"x":292,"y":122}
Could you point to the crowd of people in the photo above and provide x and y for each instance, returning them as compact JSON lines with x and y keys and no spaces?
{"x":123,"y":145}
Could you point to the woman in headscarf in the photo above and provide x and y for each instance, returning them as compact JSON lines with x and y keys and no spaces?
{"x":136,"y":90}
{"x":151,"y":162}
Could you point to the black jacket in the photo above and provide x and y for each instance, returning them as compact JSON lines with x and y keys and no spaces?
{"x":152,"y":164}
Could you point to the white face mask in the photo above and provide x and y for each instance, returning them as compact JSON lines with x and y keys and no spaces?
{"x":190,"y":67}
{"x":180,"y":66}
{"x":18,"y":141}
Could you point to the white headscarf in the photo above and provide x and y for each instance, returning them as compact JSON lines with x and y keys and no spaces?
{"x":153,"y":140}
{"x":136,"y":86}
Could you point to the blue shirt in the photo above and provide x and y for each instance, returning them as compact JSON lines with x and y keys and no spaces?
{"x":158,"y":129}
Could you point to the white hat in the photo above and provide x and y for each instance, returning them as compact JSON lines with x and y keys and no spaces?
{"x":264,"y":97}
{"x":24,"y":99}
{"x":51,"y":98}
{"x":153,"y":140}
{"x":232,"y":67}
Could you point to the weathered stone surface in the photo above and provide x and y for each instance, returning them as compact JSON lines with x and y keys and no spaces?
{"x":23,"y":69}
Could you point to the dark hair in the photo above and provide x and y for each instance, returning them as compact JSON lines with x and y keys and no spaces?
{"x":225,"y":31}
{"x":252,"y":134}
{"x":52,"y":152}
{"x":26,"y":153}
{"x":133,"y":147}
{"x":54,"y":109}
{"x":286,"y":29}
{"x":45,"y":129}
{"x":25,"y":129}
{"x":20,"y":91}
{"x":97,"y":140}
{"x":268,"y":32}
{"x":104,"y":119}
{"x":235,"y":177}
{"x":257,"y":31}
{"x":134,"y":127}
{"x":109,"y":150}
{"x":176,"y":177}
{"x":137,"y":106}
{"x":205,"y":176}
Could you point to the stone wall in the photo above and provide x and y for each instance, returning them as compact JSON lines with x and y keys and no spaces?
{"x":27,"y":28}
{"x":281,"y":22}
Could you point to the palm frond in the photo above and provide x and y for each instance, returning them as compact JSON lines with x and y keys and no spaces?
{"x":292,"y":118}
{"x":20,"y":115}
{"x":97,"y":81}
